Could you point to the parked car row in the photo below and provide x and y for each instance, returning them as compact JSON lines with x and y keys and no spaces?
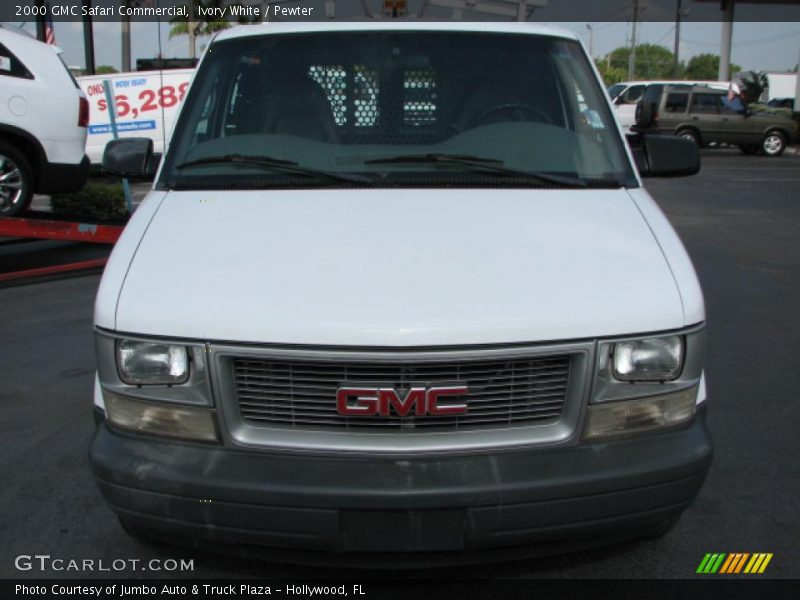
{"x":625,"y":96}
{"x":704,"y":113}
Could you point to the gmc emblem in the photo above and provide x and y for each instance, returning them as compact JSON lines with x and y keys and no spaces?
{"x":384,"y":402}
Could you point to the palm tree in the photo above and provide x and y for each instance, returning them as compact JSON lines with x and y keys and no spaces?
{"x":188,"y":26}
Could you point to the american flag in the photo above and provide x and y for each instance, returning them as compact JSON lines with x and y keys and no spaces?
{"x":49,"y":31}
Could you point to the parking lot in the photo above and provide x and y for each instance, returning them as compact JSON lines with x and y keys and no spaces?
{"x":739,"y":220}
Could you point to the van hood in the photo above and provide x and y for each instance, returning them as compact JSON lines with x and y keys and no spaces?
{"x":398,"y":268}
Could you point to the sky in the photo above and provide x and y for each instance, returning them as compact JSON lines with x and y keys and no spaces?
{"x":759,"y":46}
{"x":763,"y":46}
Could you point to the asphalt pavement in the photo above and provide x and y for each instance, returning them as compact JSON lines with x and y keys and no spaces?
{"x":739,"y":220}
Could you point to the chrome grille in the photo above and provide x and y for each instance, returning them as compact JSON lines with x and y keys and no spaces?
{"x":301,"y":394}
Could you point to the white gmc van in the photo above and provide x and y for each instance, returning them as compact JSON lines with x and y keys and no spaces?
{"x":398,"y":290}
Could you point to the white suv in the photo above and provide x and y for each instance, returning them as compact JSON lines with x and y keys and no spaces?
{"x":43,"y":119}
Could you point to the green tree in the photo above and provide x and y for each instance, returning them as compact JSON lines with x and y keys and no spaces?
{"x":652,"y":62}
{"x":610,"y":74}
{"x":105,"y":69}
{"x":706,"y":67}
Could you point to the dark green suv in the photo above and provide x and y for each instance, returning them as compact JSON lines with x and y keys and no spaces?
{"x":707,"y":116}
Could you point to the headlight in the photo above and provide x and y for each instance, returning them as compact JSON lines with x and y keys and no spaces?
{"x":652,"y":359}
{"x":642,"y":414}
{"x":141,"y":363}
{"x":157,"y":418}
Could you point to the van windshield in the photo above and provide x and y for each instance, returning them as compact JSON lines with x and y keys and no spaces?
{"x":395,"y":109}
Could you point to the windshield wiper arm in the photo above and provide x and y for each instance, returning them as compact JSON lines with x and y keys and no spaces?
{"x":433,"y":157}
{"x":491,"y":165}
{"x":278,"y":164}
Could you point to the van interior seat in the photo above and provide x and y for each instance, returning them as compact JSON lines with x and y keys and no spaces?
{"x":298,"y":106}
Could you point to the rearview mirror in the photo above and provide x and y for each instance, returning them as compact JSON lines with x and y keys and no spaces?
{"x":129,"y":157}
{"x":665,"y":155}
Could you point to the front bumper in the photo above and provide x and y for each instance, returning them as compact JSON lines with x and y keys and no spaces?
{"x":457,"y":508}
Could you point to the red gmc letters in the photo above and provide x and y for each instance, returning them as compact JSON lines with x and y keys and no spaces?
{"x":384,"y":402}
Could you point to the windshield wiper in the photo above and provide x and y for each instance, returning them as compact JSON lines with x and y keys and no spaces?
{"x":433,"y":157}
{"x":278,"y":164}
{"x":491,"y":165}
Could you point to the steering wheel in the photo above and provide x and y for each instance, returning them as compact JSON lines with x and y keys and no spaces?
{"x":528,"y":108}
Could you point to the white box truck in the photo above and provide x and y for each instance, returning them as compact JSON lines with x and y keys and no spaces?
{"x":147,"y":105}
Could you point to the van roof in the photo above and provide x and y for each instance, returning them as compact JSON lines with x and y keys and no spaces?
{"x":393,"y":25}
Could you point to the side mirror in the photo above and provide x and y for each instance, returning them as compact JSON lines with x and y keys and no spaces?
{"x":665,"y":155}
{"x":129,"y":157}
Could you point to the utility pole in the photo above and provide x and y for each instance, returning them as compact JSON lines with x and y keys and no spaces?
{"x":40,"y":27}
{"x":797,"y":84}
{"x":88,"y":37}
{"x":126,"y":40}
{"x":632,"y":55}
{"x":521,"y":10}
{"x":191,"y":29}
{"x":192,"y":39}
{"x":727,"y":38}
{"x":591,"y":41}
{"x":677,"y":40}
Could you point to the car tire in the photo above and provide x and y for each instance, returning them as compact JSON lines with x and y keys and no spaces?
{"x":749,"y":149}
{"x":16,"y":181}
{"x":691,"y":135}
{"x":773,"y":144}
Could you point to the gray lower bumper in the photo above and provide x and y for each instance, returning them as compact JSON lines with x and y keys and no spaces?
{"x":465,"y":505}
